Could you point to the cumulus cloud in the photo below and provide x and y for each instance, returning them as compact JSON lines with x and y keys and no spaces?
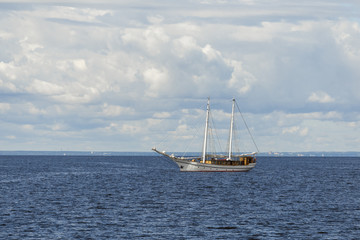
{"x":8,"y":70}
{"x":346,"y":34}
{"x":241,"y":79}
{"x":156,"y":79}
{"x":87,"y":69}
{"x":45,"y":87}
{"x":184,"y":46}
{"x":151,"y":39}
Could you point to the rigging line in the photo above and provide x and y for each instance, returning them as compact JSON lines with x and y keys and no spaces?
{"x":239,"y":143}
{"x":191,"y":142}
{"x":196,"y":124}
{"x":187,"y":147}
{"x":165,"y":139}
{"x":216,"y":134}
{"x":236,"y":139}
{"x":211,"y":146}
{"x":247,"y":127}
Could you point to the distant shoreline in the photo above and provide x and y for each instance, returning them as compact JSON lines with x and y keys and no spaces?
{"x":115,"y":153}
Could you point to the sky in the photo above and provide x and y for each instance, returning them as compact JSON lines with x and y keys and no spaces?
{"x":130,"y":75}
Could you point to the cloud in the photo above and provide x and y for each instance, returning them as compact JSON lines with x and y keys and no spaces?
{"x":75,"y":71}
{"x":4,"y":107}
{"x":8,"y":74}
{"x":32,"y":109}
{"x":152,"y":39}
{"x":27,"y":127}
{"x":80,"y":64}
{"x":156,"y":79}
{"x":210,"y":53}
{"x":332,"y":115}
{"x":291,"y":129}
{"x":184,"y":46}
{"x":162,"y":115}
{"x":303,"y":132}
{"x":296,"y":130}
{"x":241,"y":79}
{"x":111,"y":110}
{"x":130,"y":129}
{"x":45,"y":87}
{"x":320,"y":97}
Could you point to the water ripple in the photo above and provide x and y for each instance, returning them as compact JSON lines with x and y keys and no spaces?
{"x":64,"y":197}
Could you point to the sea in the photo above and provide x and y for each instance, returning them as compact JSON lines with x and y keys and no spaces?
{"x":147,"y":197}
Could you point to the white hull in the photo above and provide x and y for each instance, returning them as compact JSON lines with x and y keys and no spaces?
{"x":189,"y":166}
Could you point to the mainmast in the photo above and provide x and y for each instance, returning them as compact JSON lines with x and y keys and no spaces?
{"x":206,"y":131}
{"x":231,"y":129}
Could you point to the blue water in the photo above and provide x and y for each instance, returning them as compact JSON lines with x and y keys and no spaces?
{"x":75,"y":197}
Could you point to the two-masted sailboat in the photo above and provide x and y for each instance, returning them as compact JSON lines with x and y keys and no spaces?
{"x":215,"y":162}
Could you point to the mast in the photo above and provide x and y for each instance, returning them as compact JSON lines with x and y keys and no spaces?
{"x":231,"y":129}
{"x":206,"y":131}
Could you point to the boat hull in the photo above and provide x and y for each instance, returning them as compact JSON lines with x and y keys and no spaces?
{"x":189,"y":166}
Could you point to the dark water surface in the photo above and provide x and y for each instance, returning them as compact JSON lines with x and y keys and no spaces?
{"x":75,"y":197}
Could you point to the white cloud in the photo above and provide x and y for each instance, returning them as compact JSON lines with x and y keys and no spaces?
{"x":130,"y":129}
{"x":151,"y":39}
{"x":333,"y":115}
{"x":157,"y":80}
{"x":353,"y":124}
{"x":303,"y":132}
{"x":28,"y":46}
{"x":112,"y":127}
{"x":346,"y":34}
{"x":4,"y":107}
{"x":58,"y":127}
{"x":32,"y":109}
{"x":9,"y":70}
{"x":296,"y":130}
{"x":45,"y":87}
{"x":79,"y":95}
{"x":184,"y":46}
{"x":6,"y":35}
{"x":157,"y":19}
{"x":293,"y":129}
{"x":241,"y":79}
{"x":320,"y":97}
{"x":76,"y":68}
{"x":80,"y":64}
{"x":162,"y":115}
{"x":211,"y":53}
{"x":112,"y":110}
{"x":85,"y":15}
{"x":28,"y":127}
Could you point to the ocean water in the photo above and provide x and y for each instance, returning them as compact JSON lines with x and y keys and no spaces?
{"x":139,"y":197}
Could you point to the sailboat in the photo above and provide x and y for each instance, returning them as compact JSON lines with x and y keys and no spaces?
{"x":215,"y":162}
